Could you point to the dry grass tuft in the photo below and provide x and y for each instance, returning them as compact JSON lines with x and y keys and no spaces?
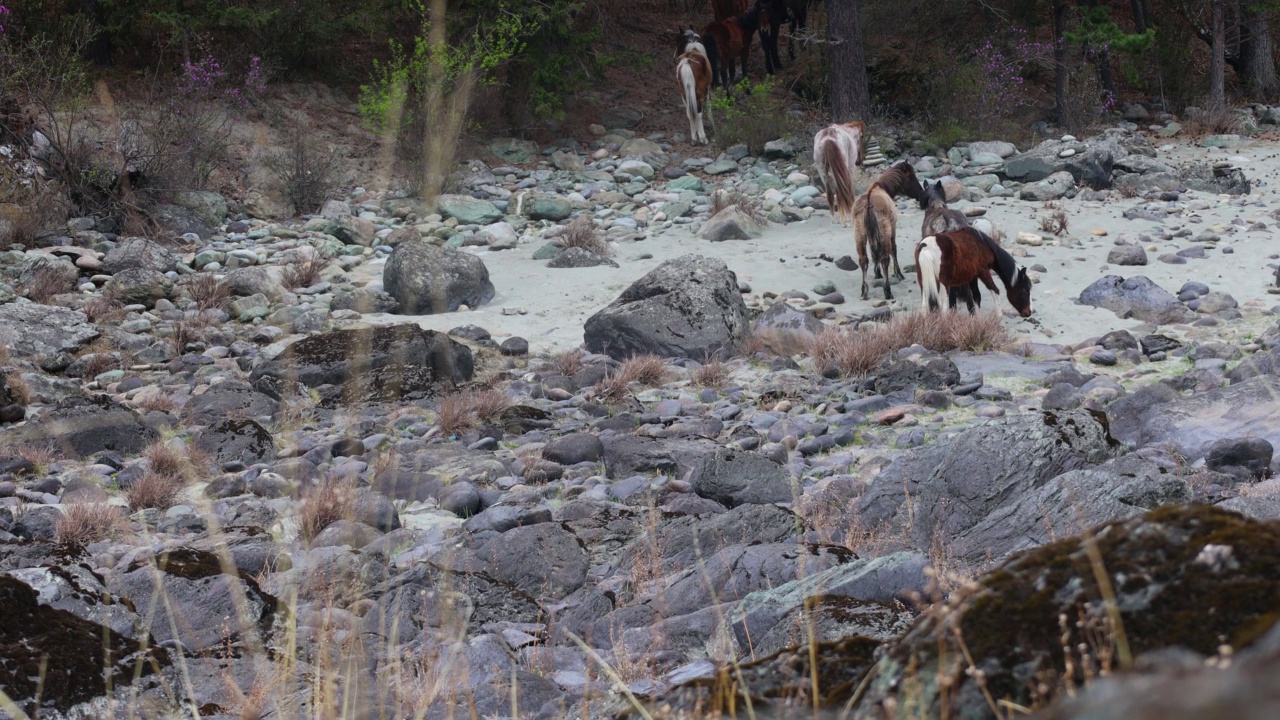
{"x":99,"y":363}
{"x":489,"y":404}
{"x":648,"y":370}
{"x":612,"y":388}
{"x":582,"y":233}
{"x":18,"y":388}
{"x":154,"y":490}
{"x":104,"y":309}
{"x":28,"y":227}
{"x":1056,"y":221}
{"x":333,"y":501}
{"x":1127,"y":192}
{"x":456,"y":413}
{"x":746,"y":204}
{"x":776,"y":341}
{"x":207,"y":291}
{"x":303,"y":274}
{"x":164,"y":460}
{"x":158,"y":403}
{"x":45,"y":284}
{"x":712,"y":374}
{"x":84,"y":523}
{"x":41,"y":456}
{"x":1214,"y":121}
{"x":858,"y":352}
{"x":569,"y":363}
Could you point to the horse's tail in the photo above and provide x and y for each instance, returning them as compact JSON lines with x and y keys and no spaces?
{"x":689,"y":87}
{"x":871,"y":229}
{"x":835,"y":170}
{"x":713,"y":56}
{"x":929,"y":273}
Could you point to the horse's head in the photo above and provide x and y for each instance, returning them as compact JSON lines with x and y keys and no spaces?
{"x":934,"y":194}
{"x":1020,"y":292}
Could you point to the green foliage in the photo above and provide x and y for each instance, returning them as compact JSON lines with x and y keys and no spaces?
{"x":1098,"y":30}
{"x":755,"y":114}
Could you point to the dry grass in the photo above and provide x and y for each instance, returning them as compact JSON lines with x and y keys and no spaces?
{"x":164,"y":460}
{"x":154,"y":490}
{"x":104,"y":309}
{"x":612,"y":388}
{"x":99,"y":363}
{"x":582,"y":233}
{"x":456,"y":413}
{"x":18,"y":388}
{"x":569,"y":363}
{"x":158,"y":403}
{"x":27,"y":227}
{"x":746,"y":204}
{"x":41,"y":456}
{"x":1214,"y":121}
{"x":489,"y":404}
{"x":327,"y":504}
{"x":1055,"y":221}
{"x":858,"y":352}
{"x":303,"y":274}
{"x":84,"y":523}
{"x":207,"y":291}
{"x":45,"y":284}
{"x":776,"y":341}
{"x":1127,"y":192}
{"x":648,"y":370}
{"x":712,"y":374}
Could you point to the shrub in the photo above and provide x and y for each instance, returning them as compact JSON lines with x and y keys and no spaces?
{"x":303,"y":274}
{"x":325,"y":505}
{"x":154,"y":490}
{"x":207,"y":291}
{"x":712,"y":374}
{"x":648,"y":369}
{"x":581,"y":233}
{"x":306,"y":171}
{"x":489,"y":404}
{"x":858,"y":352}
{"x":164,"y":460}
{"x":456,"y":413}
{"x":45,"y":284}
{"x":569,"y":362}
{"x":84,"y":523}
{"x":755,"y":114}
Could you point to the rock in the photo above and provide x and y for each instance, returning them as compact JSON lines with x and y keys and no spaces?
{"x":568,"y":162}
{"x":138,"y":286}
{"x":730,"y":224}
{"x":544,"y":560}
{"x":1127,"y":255}
{"x":1245,"y":458}
{"x":468,"y":210}
{"x":33,"y":330}
{"x":136,"y":252}
{"x":1020,"y":453}
{"x":249,"y":281}
{"x":354,"y":231}
{"x":379,"y":364}
{"x":1229,"y":181}
{"x":686,"y":307}
{"x":179,"y":220}
{"x":514,"y":347}
{"x":621,"y":116}
{"x":232,"y":398}
{"x":636,"y":168}
{"x":737,"y":478}
{"x":573,"y":449}
{"x":1192,"y":424}
{"x":540,"y":206}
{"x":1053,"y":187}
{"x":1193,"y":575}
{"x":779,"y":149}
{"x":1092,"y":167}
{"x":365,"y":300}
{"x":83,"y":426}
{"x":998,"y":148}
{"x":208,"y":206}
{"x":48,"y":273}
{"x":186,"y":597}
{"x":782,"y":317}
{"x":516,"y":152}
{"x":1137,"y":297}
{"x":426,"y":279}
{"x":240,"y":440}
{"x":576,"y":257}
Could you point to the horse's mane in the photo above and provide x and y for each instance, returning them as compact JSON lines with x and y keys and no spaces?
{"x":900,"y":180}
{"x":1006,"y":266}
{"x":752,"y":15}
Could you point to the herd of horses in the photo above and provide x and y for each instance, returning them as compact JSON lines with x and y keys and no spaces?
{"x":952,"y":256}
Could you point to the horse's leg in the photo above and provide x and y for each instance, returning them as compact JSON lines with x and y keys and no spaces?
{"x":861,"y":243}
{"x":975,"y":292}
{"x":888,"y":283}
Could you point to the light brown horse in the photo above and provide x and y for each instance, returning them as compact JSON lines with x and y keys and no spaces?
{"x":837,"y":151}
{"x":877,"y":216}
{"x":693,"y":74}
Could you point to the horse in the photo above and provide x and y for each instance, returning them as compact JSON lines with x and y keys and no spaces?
{"x":693,"y":75}
{"x":722,"y":10}
{"x":961,"y":258}
{"x":837,"y":150}
{"x":938,"y":219}
{"x":780,"y":13}
{"x":730,"y":39}
{"x":877,"y":215}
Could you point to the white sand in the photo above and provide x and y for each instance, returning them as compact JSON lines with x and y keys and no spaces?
{"x":559,"y":301}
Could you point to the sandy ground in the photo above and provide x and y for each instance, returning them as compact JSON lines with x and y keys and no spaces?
{"x":786,"y":257}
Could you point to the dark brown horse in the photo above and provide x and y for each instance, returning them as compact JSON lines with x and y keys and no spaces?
{"x":724,"y":9}
{"x":729,"y":41}
{"x":780,"y":13}
{"x":876,"y":215}
{"x":960,"y":259}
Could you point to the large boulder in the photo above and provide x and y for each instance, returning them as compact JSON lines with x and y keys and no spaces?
{"x":1089,"y":165}
{"x":1193,"y":424}
{"x":1216,"y":180}
{"x":48,"y":274}
{"x":79,"y":427}
{"x":250,"y":281}
{"x":380,"y":364}
{"x":946,"y":488}
{"x":138,"y":286}
{"x":1136,"y":297}
{"x":1185,"y":578}
{"x":210,"y":207}
{"x":136,"y":252}
{"x":688,"y":306}
{"x":468,"y":210}
{"x":544,"y":560}
{"x":29,"y":329}
{"x":237,"y":440}
{"x":730,"y":224}
{"x":736,"y":478}
{"x":426,"y":279}
{"x":229,"y":399}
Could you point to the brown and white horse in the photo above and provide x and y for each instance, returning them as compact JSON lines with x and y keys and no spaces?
{"x":958,"y":260}
{"x":876,"y":215}
{"x":728,"y":42}
{"x":837,"y":152}
{"x":693,"y":74}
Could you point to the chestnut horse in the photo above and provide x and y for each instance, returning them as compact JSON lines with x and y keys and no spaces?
{"x":877,"y":216}
{"x":693,"y":75}
{"x":959,"y":259}
{"x":727,"y":41}
{"x":837,"y":150}
{"x":780,"y":13}
{"x":938,"y":219}
{"x":724,"y":9}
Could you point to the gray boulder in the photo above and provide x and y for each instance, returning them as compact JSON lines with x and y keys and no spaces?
{"x":999,"y":148}
{"x":736,"y":571}
{"x":250,"y":281}
{"x":576,"y":257}
{"x":1219,"y":181}
{"x":426,"y":279}
{"x":737,"y":478}
{"x":210,"y":207}
{"x":1089,"y":165}
{"x":136,"y":252}
{"x":365,"y":300}
{"x":29,"y":329}
{"x":235,"y":439}
{"x":544,"y":560}
{"x":689,"y":306}
{"x":1193,"y":424}
{"x":82,"y":426}
{"x":1245,"y":458}
{"x":232,"y":398}
{"x":540,"y":206}
{"x":1127,"y":255}
{"x":1137,"y":297}
{"x":730,"y":224}
{"x":138,"y":286}
{"x":468,"y":210}
{"x":1053,"y":187}
{"x":50,"y":274}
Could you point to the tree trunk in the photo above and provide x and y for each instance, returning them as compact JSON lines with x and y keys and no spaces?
{"x":847,"y":81}
{"x":1258,"y":65}
{"x":1060,"y":62}
{"x":1218,"y":58}
{"x":1139,"y":17}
